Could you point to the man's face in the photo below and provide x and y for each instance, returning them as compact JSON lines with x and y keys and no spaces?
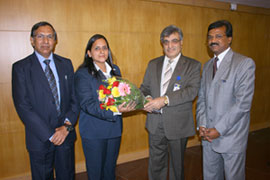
{"x":43,"y":40}
{"x":172,"y":45}
{"x":218,"y":41}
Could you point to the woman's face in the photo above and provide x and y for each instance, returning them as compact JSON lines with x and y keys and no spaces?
{"x":99,"y":51}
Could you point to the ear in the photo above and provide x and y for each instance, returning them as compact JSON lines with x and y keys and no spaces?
{"x":89,"y":53}
{"x":230,"y":40}
{"x":32,"y":41}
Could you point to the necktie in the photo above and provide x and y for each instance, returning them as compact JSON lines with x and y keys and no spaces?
{"x":166,"y":77}
{"x":52,"y":83}
{"x":215,"y":66}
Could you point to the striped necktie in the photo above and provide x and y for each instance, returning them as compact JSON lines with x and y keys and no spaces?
{"x":52,"y":83}
{"x":166,"y":77}
{"x":215,"y":66}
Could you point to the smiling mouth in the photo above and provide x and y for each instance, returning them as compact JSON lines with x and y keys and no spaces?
{"x":214,"y":44}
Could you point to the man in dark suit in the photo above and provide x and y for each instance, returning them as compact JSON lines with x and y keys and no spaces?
{"x":44,"y":97}
{"x":223,"y":106}
{"x":171,"y":83}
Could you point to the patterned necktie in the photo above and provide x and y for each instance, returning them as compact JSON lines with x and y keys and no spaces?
{"x":52,"y":83}
{"x":215,"y":66}
{"x":166,"y":77}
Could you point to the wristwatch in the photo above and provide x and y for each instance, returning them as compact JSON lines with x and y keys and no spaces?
{"x":69,"y":127}
{"x":166,"y":101}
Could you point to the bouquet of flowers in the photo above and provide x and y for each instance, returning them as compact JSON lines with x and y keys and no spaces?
{"x":118,"y":91}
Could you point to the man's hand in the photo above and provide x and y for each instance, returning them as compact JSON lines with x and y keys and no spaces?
{"x":60,"y":135}
{"x":129,"y":107}
{"x":211,"y":134}
{"x":154,"y":104}
{"x":202,"y":131}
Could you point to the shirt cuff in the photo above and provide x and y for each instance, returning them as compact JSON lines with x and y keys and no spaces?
{"x":117,"y":113}
{"x":51,"y":138}
{"x":168,"y":100}
{"x":67,"y":120}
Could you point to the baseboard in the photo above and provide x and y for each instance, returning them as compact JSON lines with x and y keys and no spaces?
{"x":123,"y":158}
{"x":26,"y":176}
{"x":255,"y":127}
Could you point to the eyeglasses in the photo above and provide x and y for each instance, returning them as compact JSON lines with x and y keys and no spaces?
{"x":217,"y":36}
{"x":174,"y":41}
{"x":42,"y":36}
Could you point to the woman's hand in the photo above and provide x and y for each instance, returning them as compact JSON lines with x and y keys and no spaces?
{"x":126,"y":108}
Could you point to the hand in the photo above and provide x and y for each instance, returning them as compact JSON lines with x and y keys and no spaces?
{"x":154,"y":104}
{"x":129,"y":107}
{"x":202,"y":131}
{"x":60,"y":135}
{"x":211,"y":134}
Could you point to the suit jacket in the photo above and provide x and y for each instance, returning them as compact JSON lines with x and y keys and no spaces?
{"x":224,"y":103}
{"x":34,"y":100}
{"x":177,"y":118}
{"x":94,"y":122}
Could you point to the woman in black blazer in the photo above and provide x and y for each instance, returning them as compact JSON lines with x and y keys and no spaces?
{"x":100,"y":129}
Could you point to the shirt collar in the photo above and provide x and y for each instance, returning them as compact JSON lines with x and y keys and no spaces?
{"x":221,"y":55}
{"x":108,"y":69}
{"x":41,"y":58}
{"x":175,"y":60}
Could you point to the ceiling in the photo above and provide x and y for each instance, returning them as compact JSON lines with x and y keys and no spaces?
{"x":256,"y":3}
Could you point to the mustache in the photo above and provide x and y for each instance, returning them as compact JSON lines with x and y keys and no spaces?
{"x":212,"y":44}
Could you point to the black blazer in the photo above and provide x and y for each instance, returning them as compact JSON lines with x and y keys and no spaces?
{"x":34,"y":101}
{"x":95,"y":123}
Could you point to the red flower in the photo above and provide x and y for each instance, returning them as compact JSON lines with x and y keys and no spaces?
{"x":110,"y":102}
{"x":101,"y":87}
{"x":115,"y":84}
{"x":101,"y":106}
{"x":106,"y":91}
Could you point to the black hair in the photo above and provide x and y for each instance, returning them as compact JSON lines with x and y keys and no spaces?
{"x":88,"y":61}
{"x":39,"y":24}
{"x":220,"y":23}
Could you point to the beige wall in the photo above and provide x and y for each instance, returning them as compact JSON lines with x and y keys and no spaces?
{"x":132,"y":28}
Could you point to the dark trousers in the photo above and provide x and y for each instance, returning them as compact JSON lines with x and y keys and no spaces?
{"x":59,"y":157}
{"x":101,"y":156}
{"x":160,"y":148}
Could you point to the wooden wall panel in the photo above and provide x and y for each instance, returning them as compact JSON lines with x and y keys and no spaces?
{"x":132,"y":28}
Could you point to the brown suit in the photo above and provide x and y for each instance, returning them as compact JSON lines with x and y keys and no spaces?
{"x":176,"y":121}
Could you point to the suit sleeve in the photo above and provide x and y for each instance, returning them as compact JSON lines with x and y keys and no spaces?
{"x":30,"y":118}
{"x":73,"y":110}
{"x":200,"y":107}
{"x":145,"y":86}
{"x":243,"y":93}
{"x":190,"y":91}
{"x":88,"y":97}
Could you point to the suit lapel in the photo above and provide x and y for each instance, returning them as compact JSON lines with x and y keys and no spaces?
{"x":209,"y":73}
{"x":159,"y":72}
{"x":38,"y":74}
{"x":178,"y":72}
{"x":224,"y":66}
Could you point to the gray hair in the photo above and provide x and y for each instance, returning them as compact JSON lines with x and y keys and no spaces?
{"x":170,"y":30}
